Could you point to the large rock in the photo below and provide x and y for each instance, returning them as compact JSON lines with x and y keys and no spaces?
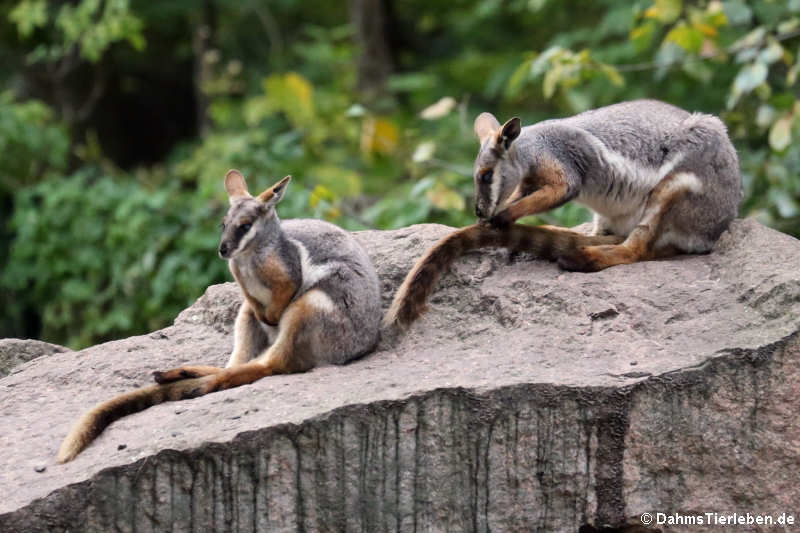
{"x":528,"y":398}
{"x":14,"y":352}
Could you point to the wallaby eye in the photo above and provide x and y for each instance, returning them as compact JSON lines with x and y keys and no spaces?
{"x":486,"y":177}
{"x":244,"y":228}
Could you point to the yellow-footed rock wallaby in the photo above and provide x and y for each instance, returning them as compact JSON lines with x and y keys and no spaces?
{"x":660,"y":180}
{"x":311,"y":297}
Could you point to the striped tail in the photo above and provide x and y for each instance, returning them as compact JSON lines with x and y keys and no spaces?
{"x":548,"y":242}
{"x":211,"y":379}
{"x":91,"y":424}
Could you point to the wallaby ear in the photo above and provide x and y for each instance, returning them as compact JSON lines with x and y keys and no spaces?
{"x":235,"y":185}
{"x":510,"y":131}
{"x":485,"y":125}
{"x":274,"y":194}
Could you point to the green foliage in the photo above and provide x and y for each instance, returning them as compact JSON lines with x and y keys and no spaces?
{"x":560,"y":69}
{"x":29,"y":15}
{"x":90,"y":25}
{"x":340,"y":154}
{"x":31,"y":142}
{"x":103,"y":257}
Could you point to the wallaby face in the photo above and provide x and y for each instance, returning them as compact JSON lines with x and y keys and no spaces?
{"x":249,"y":217}
{"x":495,"y":174}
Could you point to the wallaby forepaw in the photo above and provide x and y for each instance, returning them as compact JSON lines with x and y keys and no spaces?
{"x":501,"y":220}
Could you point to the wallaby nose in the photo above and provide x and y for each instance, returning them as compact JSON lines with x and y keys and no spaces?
{"x":478,"y":211}
{"x":223,"y":250}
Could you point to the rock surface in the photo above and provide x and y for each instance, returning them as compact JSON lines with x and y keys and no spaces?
{"x":14,"y":352}
{"x":527,"y":399}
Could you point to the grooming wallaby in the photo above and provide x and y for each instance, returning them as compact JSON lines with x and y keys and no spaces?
{"x":660,"y":180}
{"x":311,"y":297}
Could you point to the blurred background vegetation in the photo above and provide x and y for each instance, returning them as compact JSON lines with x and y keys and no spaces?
{"x":118,"y":119}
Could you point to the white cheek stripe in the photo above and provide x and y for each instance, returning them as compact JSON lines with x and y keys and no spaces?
{"x":244,"y":241}
{"x":494,"y":194}
{"x":494,"y":189}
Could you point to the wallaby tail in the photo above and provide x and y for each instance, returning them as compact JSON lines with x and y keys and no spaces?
{"x":91,"y":424}
{"x":548,"y":242}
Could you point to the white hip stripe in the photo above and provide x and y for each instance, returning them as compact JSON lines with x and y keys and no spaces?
{"x":685,"y":180}
{"x":310,"y":272}
{"x":633,"y":172}
{"x":319,"y":300}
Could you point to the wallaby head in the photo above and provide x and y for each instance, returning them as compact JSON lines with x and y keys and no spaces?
{"x":495,"y":175}
{"x":249,"y":216}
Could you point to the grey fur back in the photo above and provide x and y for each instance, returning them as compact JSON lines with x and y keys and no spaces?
{"x":635,"y":129}
{"x":617,"y":154}
{"x":341,"y":268}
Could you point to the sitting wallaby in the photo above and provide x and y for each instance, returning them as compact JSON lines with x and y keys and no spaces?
{"x":659,"y":179}
{"x":311,"y":297}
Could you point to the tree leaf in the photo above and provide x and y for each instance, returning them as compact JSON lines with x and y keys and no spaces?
{"x":685,"y":36}
{"x":424,"y":152}
{"x":379,"y":135}
{"x":738,"y":12}
{"x":439,"y":109}
{"x":551,"y":80}
{"x":342,"y":182}
{"x":667,"y":11}
{"x":752,"y":39}
{"x":749,"y":77}
{"x":642,"y":35}
{"x":445,"y":198}
{"x":698,"y":70}
{"x":786,"y":205}
{"x":780,"y":134}
{"x":292,"y":94}
{"x":772,"y":53}
{"x":765,"y":115}
{"x":612,"y":74}
{"x":29,"y":15}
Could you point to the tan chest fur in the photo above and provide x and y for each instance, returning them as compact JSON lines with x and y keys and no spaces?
{"x":267,"y":286}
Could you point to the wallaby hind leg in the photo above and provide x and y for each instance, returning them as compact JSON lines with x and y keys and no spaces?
{"x":250,"y":340}
{"x":291,"y":352}
{"x":640,"y":243}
